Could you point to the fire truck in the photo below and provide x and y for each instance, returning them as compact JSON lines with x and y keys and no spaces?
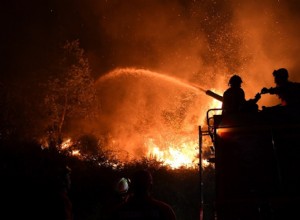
{"x":257,"y":165}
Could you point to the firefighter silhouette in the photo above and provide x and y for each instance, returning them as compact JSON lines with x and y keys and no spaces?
{"x":287,"y":91}
{"x":234,"y":98}
{"x":141,"y":205}
{"x":122,"y":189}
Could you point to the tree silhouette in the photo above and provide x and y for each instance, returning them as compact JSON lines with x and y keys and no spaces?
{"x":71,"y":93}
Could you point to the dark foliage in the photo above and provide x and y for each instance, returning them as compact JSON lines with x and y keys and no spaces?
{"x":31,"y":180}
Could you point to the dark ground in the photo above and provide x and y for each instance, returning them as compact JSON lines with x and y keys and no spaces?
{"x":30,"y":179}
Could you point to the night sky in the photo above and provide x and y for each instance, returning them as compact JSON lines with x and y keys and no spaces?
{"x":172,"y":36}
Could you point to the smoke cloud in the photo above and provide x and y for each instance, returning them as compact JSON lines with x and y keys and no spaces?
{"x":202,"y":41}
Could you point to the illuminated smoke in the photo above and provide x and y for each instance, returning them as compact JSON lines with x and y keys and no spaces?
{"x":200,"y":39}
{"x":143,"y":110}
{"x":204,"y":42}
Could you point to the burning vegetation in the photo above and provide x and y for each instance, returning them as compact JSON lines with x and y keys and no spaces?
{"x":136,"y":114}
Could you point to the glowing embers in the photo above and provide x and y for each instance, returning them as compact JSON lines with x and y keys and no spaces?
{"x":76,"y":153}
{"x":66,"y":144}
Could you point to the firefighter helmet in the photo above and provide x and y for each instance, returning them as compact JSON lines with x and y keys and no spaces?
{"x":122,"y":186}
{"x":235,"y":80}
{"x":281,"y":73}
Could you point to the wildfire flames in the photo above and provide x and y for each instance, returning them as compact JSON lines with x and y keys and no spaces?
{"x":175,"y":157}
{"x":144,"y":114}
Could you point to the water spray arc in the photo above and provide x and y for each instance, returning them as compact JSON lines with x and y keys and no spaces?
{"x":132,"y":71}
{"x":149,"y":114}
